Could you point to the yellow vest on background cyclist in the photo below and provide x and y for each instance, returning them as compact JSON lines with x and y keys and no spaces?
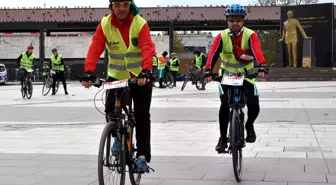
{"x":199,"y":59}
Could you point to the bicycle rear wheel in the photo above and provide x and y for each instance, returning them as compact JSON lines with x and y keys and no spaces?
{"x":236,"y":149}
{"x":108,"y":163}
{"x":135,"y":178}
{"x":186,"y":79}
{"x":29,"y":91}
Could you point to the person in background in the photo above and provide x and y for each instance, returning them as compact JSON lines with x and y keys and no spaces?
{"x":174,"y":66}
{"x":45,"y":69}
{"x":26,"y":61}
{"x":57,"y":65}
{"x":161,"y":67}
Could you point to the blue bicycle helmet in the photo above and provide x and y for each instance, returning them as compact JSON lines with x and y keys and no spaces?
{"x":235,"y":10}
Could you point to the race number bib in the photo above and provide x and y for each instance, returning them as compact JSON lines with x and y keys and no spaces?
{"x":233,"y":80}
{"x":115,"y":84}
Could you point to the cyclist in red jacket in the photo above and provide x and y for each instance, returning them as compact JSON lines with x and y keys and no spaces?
{"x":238,"y":47}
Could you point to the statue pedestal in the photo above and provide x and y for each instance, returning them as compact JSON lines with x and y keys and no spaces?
{"x":308,"y":54}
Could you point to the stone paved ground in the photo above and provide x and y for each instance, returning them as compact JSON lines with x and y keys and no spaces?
{"x":54,"y":140}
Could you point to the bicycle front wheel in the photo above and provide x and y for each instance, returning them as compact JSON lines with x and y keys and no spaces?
{"x":186,"y":79}
{"x":56,"y":86}
{"x":23,"y":90}
{"x":111,"y":166}
{"x":135,"y":177}
{"x":46,"y":87}
{"x":29,"y":91}
{"x":236,"y":149}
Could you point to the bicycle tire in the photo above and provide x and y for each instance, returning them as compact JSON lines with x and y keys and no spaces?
{"x":186,"y":79}
{"x":106,"y":136}
{"x":23,"y":92}
{"x":131,"y":156}
{"x":29,"y":90}
{"x":169,"y":78}
{"x":47,"y":86}
{"x":200,"y":86}
{"x":56,"y":86}
{"x":236,"y":150}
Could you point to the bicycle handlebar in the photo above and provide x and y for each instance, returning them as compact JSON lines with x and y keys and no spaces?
{"x":99,"y":81}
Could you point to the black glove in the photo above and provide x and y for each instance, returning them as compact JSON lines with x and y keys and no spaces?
{"x":263,"y":68}
{"x":145,"y":73}
{"x":88,"y":76}
{"x":208,"y":73}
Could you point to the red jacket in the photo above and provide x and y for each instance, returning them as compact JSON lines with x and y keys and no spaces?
{"x":97,"y":45}
{"x":217,"y":48}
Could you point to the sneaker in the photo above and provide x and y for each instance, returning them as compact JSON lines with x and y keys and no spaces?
{"x":251,"y":135}
{"x":66,"y":93}
{"x":141,"y":164}
{"x":222,"y":145}
{"x":116,"y":145}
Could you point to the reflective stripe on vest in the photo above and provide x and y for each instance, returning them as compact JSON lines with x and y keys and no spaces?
{"x":56,"y":62}
{"x":199,"y":60}
{"x":123,"y":60}
{"x":161,"y":65}
{"x":27,"y":62}
{"x":229,"y":62}
{"x":172,"y":63}
{"x":155,"y":61}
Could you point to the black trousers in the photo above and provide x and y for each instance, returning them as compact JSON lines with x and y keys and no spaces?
{"x":22,"y":73}
{"x":59,"y":76}
{"x":174,"y":73}
{"x":142,"y":97}
{"x":252,"y":104}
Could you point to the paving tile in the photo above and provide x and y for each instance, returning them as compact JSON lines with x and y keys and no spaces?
{"x":316,"y":168}
{"x":194,"y":174}
{"x":306,"y":149}
{"x":193,"y":182}
{"x":275,"y":168}
{"x":295,"y":177}
{"x":19,"y":180}
{"x":67,"y":181}
{"x":216,"y":174}
{"x":331,"y":178}
{"x":66,"y":172}
{"x":18,"y":170}
{"x":282,"y":154}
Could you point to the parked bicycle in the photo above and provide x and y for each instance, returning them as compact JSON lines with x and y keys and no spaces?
{"x":195,"y":77}
{"x":109,"y":162}
{"x":237,"y":101}
{"x":48,"y":82}
{"x":27,"y":85}
{"x":168,"y":80}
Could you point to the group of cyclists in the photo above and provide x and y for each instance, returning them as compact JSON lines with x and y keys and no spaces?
{"x":131,"y":54}
{"x":26,"y":62}
{"x":126,"y":35}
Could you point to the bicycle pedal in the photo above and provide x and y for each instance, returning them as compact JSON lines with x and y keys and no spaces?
{"x":150,"y":169}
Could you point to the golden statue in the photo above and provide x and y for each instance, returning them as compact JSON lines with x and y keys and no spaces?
{"x":291,"y":38}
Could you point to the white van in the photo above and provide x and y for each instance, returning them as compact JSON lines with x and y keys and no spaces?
{"x":3,"y":74}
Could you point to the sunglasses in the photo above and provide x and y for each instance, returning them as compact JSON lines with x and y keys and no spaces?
{"x":235,"y":20}
{"x":119,"y":4}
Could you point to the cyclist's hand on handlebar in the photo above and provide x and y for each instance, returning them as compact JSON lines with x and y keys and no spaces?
{"x":144,"y":77}
{"x":86,"y":84}
{"x":87,"y":79}
{"x":263,"y":69}
{"x":208,"y":75}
